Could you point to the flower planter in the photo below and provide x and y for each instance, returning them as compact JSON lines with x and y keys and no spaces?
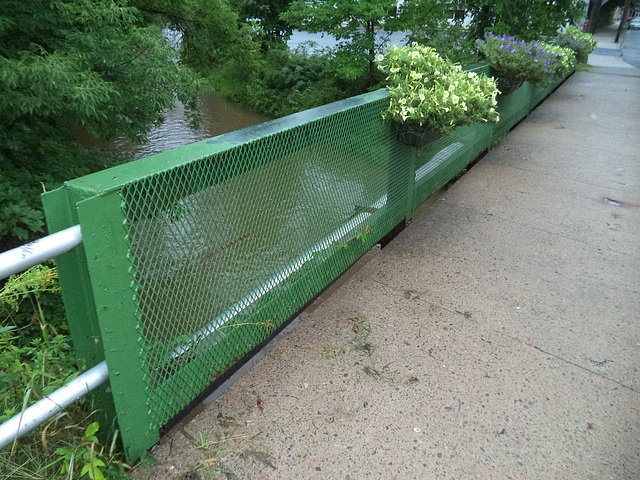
{"x":416,"y":135}
{"x":427,"y":89}
{"x":533,"y":61}
{"x":506,"y":84}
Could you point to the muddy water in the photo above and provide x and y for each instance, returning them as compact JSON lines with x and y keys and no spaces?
{"x":218,"y":116}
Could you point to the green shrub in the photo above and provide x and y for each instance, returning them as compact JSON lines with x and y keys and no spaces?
{"x":427,"y":89}
{"x":580,"y":42}
{"x":533,"y":61}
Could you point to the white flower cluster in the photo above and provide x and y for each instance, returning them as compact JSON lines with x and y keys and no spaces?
{"x":426,"y":89}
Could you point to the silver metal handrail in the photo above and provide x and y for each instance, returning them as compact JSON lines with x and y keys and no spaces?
{"x":53,"y":404}
{"x":45,"y":248}
{"x":15,"y":261}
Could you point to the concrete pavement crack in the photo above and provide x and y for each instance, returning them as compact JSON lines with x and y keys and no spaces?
{"x":555,"y":234}
{"x":463,"y":314}
{"x":565,"y":360}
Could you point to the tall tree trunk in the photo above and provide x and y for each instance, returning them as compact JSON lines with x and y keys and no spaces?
{"x":593,"y":16}
{"x":623,"y":20}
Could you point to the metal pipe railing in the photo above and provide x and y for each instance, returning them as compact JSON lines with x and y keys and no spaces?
{"x":45,"y":248}
{"x":52,"y":404}
{"x":18,"y":260}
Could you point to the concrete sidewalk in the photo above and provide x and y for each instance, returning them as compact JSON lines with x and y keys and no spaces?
{"x":608,"y":55}
{"x":498,"y":336}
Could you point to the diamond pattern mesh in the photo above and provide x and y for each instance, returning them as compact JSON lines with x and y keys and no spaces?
{"x":226,"y":249}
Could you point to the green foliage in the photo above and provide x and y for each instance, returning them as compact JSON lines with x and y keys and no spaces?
{"x":361,"y":235}
{"x":87,"y":457}
{"x":452,"y":42}
{"x":36,"y":359}
{"x":427,"y":89}
{"x":531,"y":61}
{"x":35,"y":355}
{"x":207,"y":33}
{"x":69,"y":65}
{"x":526,"y":19}
{"x":281,"y":82}
{"x":580,"y":42}
{"x":271,"y":30}
{"x":92,"y":63}
{"x":36,"y":280}
{"x":428,"y":23}
{"x":19,"y":212}
{"x":344,"y":19}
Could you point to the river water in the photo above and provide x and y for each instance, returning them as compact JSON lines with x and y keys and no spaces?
{"x":219,"y":115}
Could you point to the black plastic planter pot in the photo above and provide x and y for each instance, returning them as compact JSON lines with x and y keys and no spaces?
{"x":506,"y":84}
{"x":415,"y":135}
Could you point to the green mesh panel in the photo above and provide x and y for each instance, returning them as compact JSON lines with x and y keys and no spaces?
{"x":192,"y":257}
{"x":227,"y":249}
{"x":443,"y":159}
{"x":512,"y":108}
{"x":539,"y":93}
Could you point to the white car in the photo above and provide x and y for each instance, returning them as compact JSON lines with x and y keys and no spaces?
{"x":634,"y":24}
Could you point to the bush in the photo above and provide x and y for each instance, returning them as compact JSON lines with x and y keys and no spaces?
{"x":282,"y":82}
{"x":533,"y":61}
{"x":580,"y":42}
{"x":427,"y":89}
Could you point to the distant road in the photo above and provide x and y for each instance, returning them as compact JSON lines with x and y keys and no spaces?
{"x":631,"y":48}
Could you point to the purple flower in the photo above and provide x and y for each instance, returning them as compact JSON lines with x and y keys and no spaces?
{"x":507,"y":47}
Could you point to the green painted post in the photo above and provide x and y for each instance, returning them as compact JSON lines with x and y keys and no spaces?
{"x":106,"y":247}
{"x":77,"y":294}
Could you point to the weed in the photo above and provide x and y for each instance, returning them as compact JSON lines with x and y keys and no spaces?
{"x":94,"y":463}
{"x":36,"y":358}
{"x":361,"y":235}
{"x":333,"y":352}
{"x":360,"y":325}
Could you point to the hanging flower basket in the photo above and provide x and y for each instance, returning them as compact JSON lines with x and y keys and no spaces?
{"x":506,"y":83}
{"x":531,"y":61}
{"x":580,"y":42}
{"x":427,"y":89}
{"x":582,"y":57}
{"x":416,"y":135}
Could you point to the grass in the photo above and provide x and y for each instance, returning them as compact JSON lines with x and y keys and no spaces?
{"x":36,"y":358}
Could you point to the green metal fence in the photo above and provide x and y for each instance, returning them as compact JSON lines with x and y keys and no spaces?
{"x":193,"y":257}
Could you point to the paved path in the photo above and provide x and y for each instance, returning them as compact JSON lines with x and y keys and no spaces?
{"x":497,"y":337}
